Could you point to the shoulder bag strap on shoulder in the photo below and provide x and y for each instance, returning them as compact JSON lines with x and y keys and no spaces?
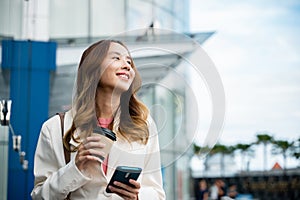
{"x":66,"y":152}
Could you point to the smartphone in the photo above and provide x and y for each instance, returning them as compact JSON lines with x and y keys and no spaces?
{"x":123,"y":174}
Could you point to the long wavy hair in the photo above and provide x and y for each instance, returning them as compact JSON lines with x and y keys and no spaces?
{"x":132,"y":121}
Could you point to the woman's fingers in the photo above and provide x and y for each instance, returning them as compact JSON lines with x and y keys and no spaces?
{"x":126,"y":191}
{"x":89,"y":150}
{"x":93,"y":142}
{"x":136,"y":184}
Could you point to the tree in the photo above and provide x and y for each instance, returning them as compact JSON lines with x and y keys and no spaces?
{"x":222,"y":150}
{"x":202,"y":153}
{"x":246,"y":153}
{"x":296,"y":150}
{"x":282,"y":147}
{"x":196,"y":148}
{"x":264,"y":139}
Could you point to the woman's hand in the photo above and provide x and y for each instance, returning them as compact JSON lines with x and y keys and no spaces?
{"x":89,"y":150}
{"x":125,"y":191}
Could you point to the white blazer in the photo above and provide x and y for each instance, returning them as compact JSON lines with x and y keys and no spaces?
{"x":54,"y":179}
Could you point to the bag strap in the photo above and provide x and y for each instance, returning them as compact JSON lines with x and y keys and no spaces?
{"x":66,"y":152}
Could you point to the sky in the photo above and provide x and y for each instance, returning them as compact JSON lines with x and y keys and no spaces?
{"x":256,"y":50}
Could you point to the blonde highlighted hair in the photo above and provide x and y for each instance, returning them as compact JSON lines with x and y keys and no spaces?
{"x":132,"y":124}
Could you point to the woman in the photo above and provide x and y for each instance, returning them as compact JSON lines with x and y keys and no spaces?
{"x":105,"y":95}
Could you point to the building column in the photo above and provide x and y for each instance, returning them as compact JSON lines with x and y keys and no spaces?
{"x":29,"y":64}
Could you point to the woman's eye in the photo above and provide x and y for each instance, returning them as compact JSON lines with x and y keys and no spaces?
{"x":129,"y":62}
{"x":116,"y":58}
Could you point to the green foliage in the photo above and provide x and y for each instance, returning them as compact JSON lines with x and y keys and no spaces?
{"x":196,"y":149}
{"x":264,"y":139}
{"x":243,"y":147}
{"x":296,"y":149}
{"x":219,"y":148}
{"x":279,"y":147}
{"x":200,"y":150}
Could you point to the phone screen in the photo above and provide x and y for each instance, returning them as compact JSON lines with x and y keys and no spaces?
{"x":123,"y":174}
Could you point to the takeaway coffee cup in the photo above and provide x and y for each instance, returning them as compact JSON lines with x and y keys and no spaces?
{"x":108,"y":137}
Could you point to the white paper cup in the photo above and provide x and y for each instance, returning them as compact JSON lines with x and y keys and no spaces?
{"x":108,"y":138}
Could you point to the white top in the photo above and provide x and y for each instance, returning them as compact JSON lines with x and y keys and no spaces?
{"x":54,"y":179}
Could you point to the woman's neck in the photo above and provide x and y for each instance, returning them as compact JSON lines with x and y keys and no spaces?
{"x":107,"y":104}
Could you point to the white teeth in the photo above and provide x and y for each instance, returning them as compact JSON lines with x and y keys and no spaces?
{"x":124,"y":76}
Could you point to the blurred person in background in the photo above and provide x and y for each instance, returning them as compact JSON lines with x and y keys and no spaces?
{"x":232,"y":191}
{"x":203,"y":190}
{"x":217,"y":190}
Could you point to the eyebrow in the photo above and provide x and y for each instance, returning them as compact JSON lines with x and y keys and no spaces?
{"x":118,"y":53}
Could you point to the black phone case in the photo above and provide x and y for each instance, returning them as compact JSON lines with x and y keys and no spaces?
{"x":123,"y":174}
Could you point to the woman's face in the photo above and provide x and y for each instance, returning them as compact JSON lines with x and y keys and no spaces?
{"x":117,"y":72}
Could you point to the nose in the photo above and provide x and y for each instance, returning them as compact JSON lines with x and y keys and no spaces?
{"x":126,"y":65}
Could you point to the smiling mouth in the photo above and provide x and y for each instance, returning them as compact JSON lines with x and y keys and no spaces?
{"x":123,"y":76}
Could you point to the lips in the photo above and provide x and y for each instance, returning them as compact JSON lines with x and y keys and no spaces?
{"x":123,"y":75}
